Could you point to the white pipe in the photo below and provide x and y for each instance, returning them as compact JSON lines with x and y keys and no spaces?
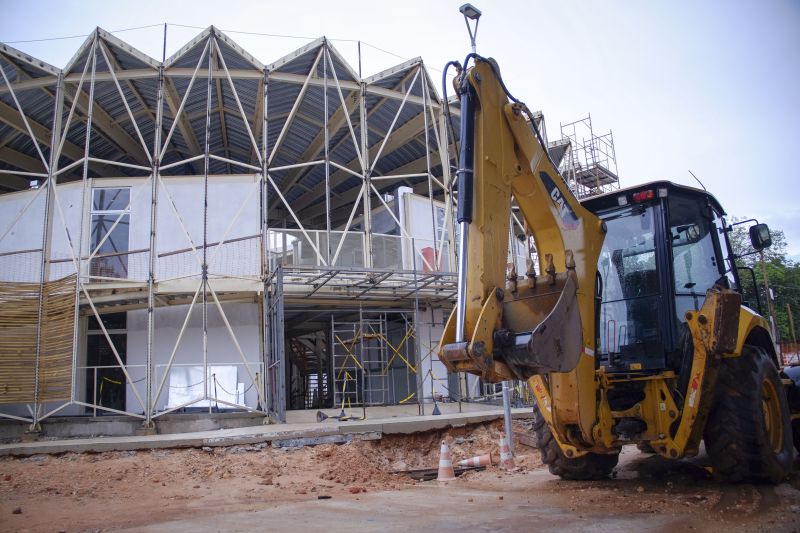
{"x":238,"y":103}
{"x":183,"y":103}
{"x":299,"y":165}
{"x":111,"y":344}
{"x":507,"y":417}
{"x":25,"y":120}
{"x":177,"y":343}
{"x":394,"y":121}
{"x":346,"y":114}
{"x":347,"y":226}
{"x":119,"y":164}
{"x":235,"y":340}
{"x":72,"y":107}
{"x":234,"y":162}
{"x":294,"y":109}
{"x":181,"y":162}
{"x":125,"y":101}
{"x":297,"y":220}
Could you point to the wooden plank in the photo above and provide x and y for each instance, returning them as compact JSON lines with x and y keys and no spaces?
{"x":19,"y":312}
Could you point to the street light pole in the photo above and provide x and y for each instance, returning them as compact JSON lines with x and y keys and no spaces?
{"x":471,"y":12}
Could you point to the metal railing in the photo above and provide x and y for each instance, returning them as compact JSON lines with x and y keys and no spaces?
{"x":105,"y":388}
{"x":210,"y":392}
{"x":22,"y":266}
{"x":109,"y":389}
{"x":240,"y":257}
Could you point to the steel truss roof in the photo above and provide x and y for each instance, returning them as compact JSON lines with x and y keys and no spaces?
{"x":212,"y":75}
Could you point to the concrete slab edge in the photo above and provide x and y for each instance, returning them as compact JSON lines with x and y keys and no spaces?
{"x":364,"y":429}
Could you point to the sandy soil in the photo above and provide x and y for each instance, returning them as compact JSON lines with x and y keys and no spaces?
{"x":77,"y":492}
{"x":121,"y":490}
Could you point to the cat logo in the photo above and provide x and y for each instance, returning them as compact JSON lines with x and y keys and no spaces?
{"x":566,"y":214}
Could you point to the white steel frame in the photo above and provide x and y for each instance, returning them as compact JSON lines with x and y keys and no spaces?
{"x":73,"y":90}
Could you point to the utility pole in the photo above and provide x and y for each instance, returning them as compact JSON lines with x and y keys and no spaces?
{"x":791,"y":322}
{"x":768,"y":293}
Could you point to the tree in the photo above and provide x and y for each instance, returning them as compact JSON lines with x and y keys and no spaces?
{"x":783,"y":275}
{"x":740,"y":242}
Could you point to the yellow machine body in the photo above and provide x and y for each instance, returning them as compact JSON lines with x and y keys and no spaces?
{"x":513,"y":171}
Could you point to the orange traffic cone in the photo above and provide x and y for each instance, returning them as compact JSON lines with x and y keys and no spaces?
{"x":506,"y":457}
{"x":478,"y":460}
{"x":446,"y":472}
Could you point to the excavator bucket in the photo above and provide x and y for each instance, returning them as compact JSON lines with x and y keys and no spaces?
{"x":553,"y":345}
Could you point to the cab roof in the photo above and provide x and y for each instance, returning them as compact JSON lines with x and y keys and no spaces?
{"x":609,"y":199}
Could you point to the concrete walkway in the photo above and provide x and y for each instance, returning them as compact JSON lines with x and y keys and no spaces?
{"x":280,"y":435}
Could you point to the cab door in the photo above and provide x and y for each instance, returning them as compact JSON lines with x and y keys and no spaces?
{"x":634,"y":306}
{"x":696,"y":258}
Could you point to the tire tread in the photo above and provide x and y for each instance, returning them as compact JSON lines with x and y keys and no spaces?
{"x":586,"y":467}
{"x":734,"y":435}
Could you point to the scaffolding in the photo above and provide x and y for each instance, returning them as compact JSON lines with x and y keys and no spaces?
{"x":208,"y":227}
{"x":374,"y":360}
{"x":588,"y":161}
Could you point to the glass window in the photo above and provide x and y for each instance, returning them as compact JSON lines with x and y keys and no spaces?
{"x":110,"y":199}
{"x":694,"y":255}
{"x":631,"y":293}
{"x":109,"y":238}
{"x":111,"y":260}
{"x":628,"y":260}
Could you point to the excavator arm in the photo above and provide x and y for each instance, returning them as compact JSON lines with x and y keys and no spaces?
{"x":507,"y":326}
{"x":541,"y":327}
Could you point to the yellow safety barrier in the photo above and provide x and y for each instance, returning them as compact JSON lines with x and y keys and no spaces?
{"x":349,"y":355}
{"x":102,"y":382}
{"x":397,"y":352}
{"x":404,"y":400}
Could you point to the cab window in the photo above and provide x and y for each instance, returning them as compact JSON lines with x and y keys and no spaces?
{"x":631,"y":293}
{"x":696,"y":264}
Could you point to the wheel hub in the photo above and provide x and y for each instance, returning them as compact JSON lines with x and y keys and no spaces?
{"x":771,"y":407}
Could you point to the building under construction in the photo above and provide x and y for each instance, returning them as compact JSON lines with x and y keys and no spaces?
{"x":210,"y":233}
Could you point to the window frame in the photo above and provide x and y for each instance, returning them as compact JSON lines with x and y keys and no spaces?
{"x":114,"y":213}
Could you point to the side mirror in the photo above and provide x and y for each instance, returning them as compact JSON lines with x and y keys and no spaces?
{"x":760,"y":237}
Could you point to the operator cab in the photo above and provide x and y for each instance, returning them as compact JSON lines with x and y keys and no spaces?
{"x":665,"y":246}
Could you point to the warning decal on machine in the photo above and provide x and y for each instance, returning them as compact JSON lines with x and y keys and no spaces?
{"x":693,"y":389}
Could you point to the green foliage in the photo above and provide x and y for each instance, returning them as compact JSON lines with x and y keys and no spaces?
{"x":740,"y":242}
{"x":783,"y":276}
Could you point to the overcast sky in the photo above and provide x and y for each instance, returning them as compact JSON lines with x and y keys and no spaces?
{"x":711,"y":86}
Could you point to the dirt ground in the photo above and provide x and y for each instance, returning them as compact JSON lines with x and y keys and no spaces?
{"x":137,"y":490}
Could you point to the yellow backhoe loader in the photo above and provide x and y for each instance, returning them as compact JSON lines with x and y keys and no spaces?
{"x":628,"y":324}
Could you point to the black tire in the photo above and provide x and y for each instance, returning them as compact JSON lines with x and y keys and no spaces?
{"x":739,"y":443}
{"x":585,"y":467}
{"x":793,"y":396}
